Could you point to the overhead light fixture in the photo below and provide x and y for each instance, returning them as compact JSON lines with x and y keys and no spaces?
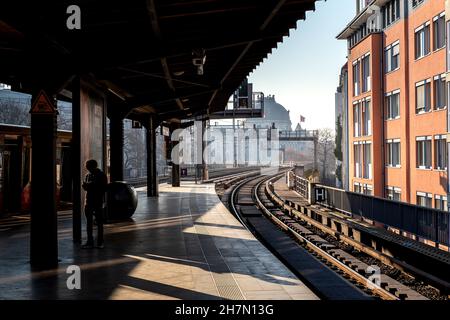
{"x":199,"y":60}
{"x":178,"y":73}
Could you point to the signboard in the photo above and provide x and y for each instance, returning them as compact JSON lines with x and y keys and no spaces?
{"x":42,"y":104}
{"x":320,"y":194}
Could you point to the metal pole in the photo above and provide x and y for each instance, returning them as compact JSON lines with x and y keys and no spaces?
{"x":152,"y":174}
{"x":44,"y":233}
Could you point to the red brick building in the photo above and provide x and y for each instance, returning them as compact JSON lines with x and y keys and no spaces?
{"x":397,"y":100}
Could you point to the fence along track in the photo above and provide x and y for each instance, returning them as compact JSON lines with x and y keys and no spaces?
{"x":389,"y":289}
{"x":417,"y":259}
{"x":315,"y":249}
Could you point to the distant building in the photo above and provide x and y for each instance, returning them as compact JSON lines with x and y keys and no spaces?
{"x":274,"y":115}
{"x":15,"y":107}
{"x":341,"y":115}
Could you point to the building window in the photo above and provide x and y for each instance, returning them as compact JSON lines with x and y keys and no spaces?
{"x":366,"y":118}
{"x":393,"y":105}
{"x":367,"y":154}
{"x":440,"y":99}
{"x":393,"y":152}
{"x":440,"y":203}
{"x":440,"y":152}
{"x":356,"y":78}
{"x":392,"y":57}
{"x":366,"y":73}
{"x":367,"y":189}
{"x":422,"y":40}
{"x":361,"y":188}
{"x":358,"y":160}
{"x":362,"y":123}
{"x":423,"y":96}
{"x":393,"y":193}
{"x":391,"y":12}
{"x":362,"y":159}
{"x":424,"y":199}
{"x":357,"y":119}
{"x":423,"y":152}
{"x":439,"y":31}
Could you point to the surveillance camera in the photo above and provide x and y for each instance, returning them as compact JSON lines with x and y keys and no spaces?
{"x":199,"y":61}
{"x":200,"y":70}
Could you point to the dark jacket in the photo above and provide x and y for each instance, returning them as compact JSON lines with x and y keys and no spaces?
{"x":95,"y":185}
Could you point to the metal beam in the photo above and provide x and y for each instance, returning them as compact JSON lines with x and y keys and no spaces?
{"x":155,"y":26}
{"x":266,"y":22}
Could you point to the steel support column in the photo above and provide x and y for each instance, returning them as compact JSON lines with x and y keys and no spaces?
{"x":76,"y":161}
{"x":116,"y":136}
{"x":43,"y":236}
{"x":316,"y":143}
{"x":205,"y":172}
{"x":175,"y":155}
{"x":152,"y":174}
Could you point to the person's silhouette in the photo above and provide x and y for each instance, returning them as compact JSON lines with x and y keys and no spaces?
{"x":95,"y":184}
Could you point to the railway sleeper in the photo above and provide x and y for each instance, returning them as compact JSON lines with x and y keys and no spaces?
{"x":306,"y":211}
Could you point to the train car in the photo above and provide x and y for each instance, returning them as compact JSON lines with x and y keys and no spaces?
{"x":15,"y":168}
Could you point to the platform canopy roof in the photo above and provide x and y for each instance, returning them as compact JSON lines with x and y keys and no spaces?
{"x":141,"y":51}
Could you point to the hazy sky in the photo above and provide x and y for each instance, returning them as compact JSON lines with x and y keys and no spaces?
{"x":303,"y":72}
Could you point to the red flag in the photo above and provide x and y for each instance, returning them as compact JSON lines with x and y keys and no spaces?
{"x":302,"y":119}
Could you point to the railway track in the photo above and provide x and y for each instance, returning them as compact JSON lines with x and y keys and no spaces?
{"x":355,"y":279}
{"x":418,"y":270}
{"x":216,"y":176}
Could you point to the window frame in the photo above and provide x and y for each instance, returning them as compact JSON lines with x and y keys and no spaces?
{"x":444,"y":149}
{"x":427,"y":196}
{"x":366,"y":117}
{"x":388,"y":101}
{"x":421,"y":52}
{"x":436,"y":19}
{"x":356,"y":69}
{"x":394,"y":191}
{"x":440,"y":80}
{"x":390,"y":154}
{"x":422,"y":164}
{"x":389,"y":57}
{"x":366,"y":79}
{"x":443,"y":199}
{"x":427,"y":98}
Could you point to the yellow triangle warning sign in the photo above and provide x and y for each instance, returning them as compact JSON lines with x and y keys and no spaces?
{"x":42,"y":104}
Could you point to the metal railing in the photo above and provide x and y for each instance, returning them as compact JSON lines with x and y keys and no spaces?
{"x":301,"y":185}
{"x":283,"y":134}
{"x":427,"y":223}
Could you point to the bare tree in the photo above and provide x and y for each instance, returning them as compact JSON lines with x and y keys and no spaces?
{"x":326,"y":157}
{"x":14,"y":111}
{"x":134,"y":149}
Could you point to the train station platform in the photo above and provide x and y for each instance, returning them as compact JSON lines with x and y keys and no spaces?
{"x":184,"y":244}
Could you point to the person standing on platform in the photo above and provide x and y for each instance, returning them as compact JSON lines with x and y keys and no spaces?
{"x":94,"y":184}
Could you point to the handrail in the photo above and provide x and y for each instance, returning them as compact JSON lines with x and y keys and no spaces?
{"x":427,"y":223}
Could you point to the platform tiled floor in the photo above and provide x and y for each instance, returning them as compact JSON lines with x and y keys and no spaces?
{"x":183,"y":245}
